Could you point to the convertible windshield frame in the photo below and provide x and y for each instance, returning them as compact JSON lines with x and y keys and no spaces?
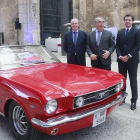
{"x":15,"y":56}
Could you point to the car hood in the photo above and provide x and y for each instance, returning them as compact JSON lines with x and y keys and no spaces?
{"x":70,"y":80}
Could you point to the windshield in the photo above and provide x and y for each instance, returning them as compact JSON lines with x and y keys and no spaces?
{"x":19,"y":56}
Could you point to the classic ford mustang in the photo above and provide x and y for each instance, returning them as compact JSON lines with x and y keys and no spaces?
{"x":39,"y":94}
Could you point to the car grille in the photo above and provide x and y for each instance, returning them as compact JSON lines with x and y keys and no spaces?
{"x":96,"y":96}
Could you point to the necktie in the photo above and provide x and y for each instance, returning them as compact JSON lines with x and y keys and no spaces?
{"x":98,"y":37}
{"x":127,"y":31}
{"x":75,"y":38}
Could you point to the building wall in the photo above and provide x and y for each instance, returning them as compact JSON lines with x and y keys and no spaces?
{"x":29,"y":17}
{"x":85,"y":10}
{"x":28,"y":13}
{"x":8,"y":14}
{"x":113,"y":12}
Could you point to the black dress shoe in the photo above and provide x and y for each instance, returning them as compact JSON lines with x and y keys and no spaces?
{"x":133,"y":106}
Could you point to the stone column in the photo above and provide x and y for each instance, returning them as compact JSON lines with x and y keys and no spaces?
{"x":8,"y":14}
{"x":79,"y":11}
{"x":29,"y":18}
{"x":138,"y":9}
{"x":89,"y":16}
{"x":76,"y":7}
{"x":82,"y":14}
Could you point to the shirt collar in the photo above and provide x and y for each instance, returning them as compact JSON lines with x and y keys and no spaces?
{"x":74,"y":31}
{"x":98,"y":31}
{"x":128,"y":28}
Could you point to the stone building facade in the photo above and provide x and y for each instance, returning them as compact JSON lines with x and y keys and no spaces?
{"x":113,"y":12}
{"x":28,"y":12}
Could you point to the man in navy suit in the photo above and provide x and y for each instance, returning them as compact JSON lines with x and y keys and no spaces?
{"x":128,"y":46}
{"x":75,"y":44}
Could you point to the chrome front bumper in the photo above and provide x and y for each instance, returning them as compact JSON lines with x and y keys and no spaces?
{"x":74,"y":117}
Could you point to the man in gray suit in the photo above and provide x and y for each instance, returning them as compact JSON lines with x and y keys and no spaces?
{"x":100,"y":46}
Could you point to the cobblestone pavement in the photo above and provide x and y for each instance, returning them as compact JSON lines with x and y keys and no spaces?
{"x":122,"y":124}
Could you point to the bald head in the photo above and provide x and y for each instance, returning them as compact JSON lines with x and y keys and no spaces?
{"x":74,"y":24}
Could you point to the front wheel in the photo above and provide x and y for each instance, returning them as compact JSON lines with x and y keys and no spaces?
{"x":20,"y":124}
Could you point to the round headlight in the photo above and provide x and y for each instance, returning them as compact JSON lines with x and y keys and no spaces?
{"x":122,"y":82}
{"x":118,"y":88}
{"x":51,"y":106}
{"x":79,"y":102}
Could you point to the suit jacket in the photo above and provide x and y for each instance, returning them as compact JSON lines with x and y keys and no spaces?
{"x":129,"y":44}
{"x":106,"y":43}
{"x":70,"y":48}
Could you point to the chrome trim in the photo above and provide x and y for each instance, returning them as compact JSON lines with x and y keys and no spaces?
{"x":107,"y":89}
{"x":100,"y":92}
{"x":96,"y":101}
{"x":74,"y":117}
{"x":19,"y":120}
{"x":2,"y":114}
{"x":96,"y":90}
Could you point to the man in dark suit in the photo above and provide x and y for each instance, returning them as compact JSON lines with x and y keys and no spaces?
{"x":128,"y":46}
{"x":100,"y":46}
{"x":75,"y":44}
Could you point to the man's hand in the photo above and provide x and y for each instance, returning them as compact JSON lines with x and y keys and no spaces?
{"x":106,"y":54}
{"x":124,"y":58}
{"x":93,"y":57}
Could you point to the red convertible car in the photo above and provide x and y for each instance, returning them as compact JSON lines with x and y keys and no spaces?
{"x":45,"y":95}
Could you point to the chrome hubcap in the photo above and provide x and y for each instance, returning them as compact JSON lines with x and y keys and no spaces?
{"x":19,"y":120}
